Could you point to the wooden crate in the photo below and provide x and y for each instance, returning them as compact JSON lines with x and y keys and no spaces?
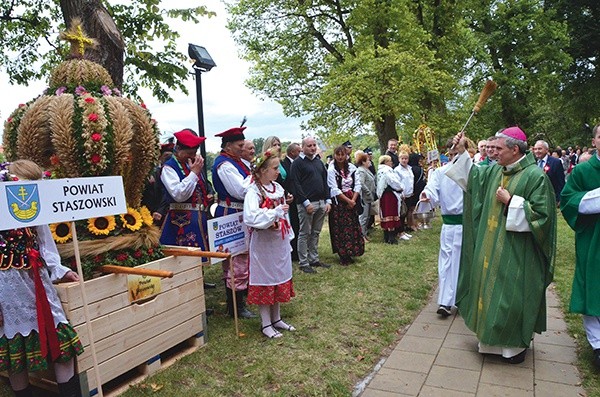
{"x":133,"y":335}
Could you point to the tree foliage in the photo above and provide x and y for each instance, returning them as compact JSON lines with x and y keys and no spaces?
{"x":387,"y":65}
{"x":144,"y":40}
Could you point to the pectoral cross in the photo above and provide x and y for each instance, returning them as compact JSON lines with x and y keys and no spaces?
{"x":492,"y":223}
{"x":22,"y":193}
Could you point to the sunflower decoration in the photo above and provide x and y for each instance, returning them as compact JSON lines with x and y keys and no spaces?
{"x":132,"y":220}
{"x":102,"y":225}
{"x":61,"y":232}
{"x":146,"y":216}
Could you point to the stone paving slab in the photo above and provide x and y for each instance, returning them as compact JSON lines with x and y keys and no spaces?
{"x":438,"y":357}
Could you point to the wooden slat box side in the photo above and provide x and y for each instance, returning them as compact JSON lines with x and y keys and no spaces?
{"x":131,"y":358}
{"x":110,"y":285}
{"x":117,"y":302}
{"x":130,"y":338}
{"x":111,"y":324}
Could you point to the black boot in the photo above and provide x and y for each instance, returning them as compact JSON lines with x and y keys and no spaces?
{"x":242,"y":310}
{"x":386,"y":236}
{"x":26,"y":392}
{"x":70,"y":388}
{"x":229,"y":295}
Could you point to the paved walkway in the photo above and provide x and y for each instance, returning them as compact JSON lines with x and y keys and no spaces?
{"x":438,"y":357}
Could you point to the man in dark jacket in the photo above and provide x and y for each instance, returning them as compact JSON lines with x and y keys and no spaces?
{"x":552,"y":167}
{"x":312,"y":197}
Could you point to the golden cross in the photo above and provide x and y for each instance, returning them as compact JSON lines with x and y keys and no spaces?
{"x":22,"y":192}
{"x":79,"y":41}
{"x":485,"y":263}
{"x":492,"y":223}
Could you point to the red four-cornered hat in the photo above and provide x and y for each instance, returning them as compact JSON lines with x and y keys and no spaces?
{"x":232,"y":134}
{"x":189,"y":138}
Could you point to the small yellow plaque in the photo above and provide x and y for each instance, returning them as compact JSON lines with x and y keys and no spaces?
{"x":142,"y":287}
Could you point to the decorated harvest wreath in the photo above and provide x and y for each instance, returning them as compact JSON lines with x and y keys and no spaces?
{"x":82,"y":127}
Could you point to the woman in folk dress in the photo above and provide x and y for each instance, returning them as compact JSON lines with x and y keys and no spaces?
{"x":265,"y":213}
{"x":33,"y":326}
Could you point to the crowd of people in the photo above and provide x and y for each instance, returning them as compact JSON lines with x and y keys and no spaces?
{"x":498,"y":202}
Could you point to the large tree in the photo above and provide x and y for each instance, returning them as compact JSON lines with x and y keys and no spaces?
{"x":349,"y":65}
{"x":136,"y":41}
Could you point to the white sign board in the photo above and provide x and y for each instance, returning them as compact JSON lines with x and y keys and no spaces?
{"x":227,"y":234}
{"x":34,"y":203}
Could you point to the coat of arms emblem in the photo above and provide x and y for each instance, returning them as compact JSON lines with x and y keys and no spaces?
{"x":23,"y":202}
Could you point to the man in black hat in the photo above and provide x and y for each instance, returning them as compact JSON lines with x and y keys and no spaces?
{"x":348,"y":147}
{"x":230,"y":179}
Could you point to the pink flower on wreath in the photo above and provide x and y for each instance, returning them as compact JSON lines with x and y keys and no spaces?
{"x":137,"y":254}
{"x":80,"y":90}
{"x":122,"y":256}
{"x":60,"y":91}
{"x":143,"y":105}
{"x":21,"y":105}
{"x":9,"y":120}
{"x":90,"y":99}
{"x":106,"y":91}
{"x":93,"y":117}
{"x":95,"y":158}
{"x":96,"y":137}
{"x":150,"y":251}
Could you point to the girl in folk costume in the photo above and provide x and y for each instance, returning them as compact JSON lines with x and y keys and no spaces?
{"x":33,"y":326}
{"x":408,"y":178}
{"x":344,"y":228}
{"x":389,"y":190}
{"x":265,"y":213}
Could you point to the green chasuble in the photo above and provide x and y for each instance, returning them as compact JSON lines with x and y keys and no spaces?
{"x":585,"y":296}
{"x":503,"y":275}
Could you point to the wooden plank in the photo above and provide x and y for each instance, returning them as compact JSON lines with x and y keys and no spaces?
{"x":134,"y":357}
{"x":117,"y":302}
{"x":157,"y":329}
{"x":133,"y":314}
{"x":112,"y":284}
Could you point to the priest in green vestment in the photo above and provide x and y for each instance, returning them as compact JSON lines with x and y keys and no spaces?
{"x":509,"y":235}
{"x":580,"y":205}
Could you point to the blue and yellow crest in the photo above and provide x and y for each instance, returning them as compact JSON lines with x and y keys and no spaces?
{"x":23,"y":202}
{"x":215,"y":226}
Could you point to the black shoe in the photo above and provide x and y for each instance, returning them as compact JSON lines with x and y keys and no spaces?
{"x":210,"y":285}
{"x":444,"y":311}
{"x":320,"y":264}
{"x":518,"y":359}
{"x":596,"y":360}
{"x":245,"y":313}
{"x":307,"y":269}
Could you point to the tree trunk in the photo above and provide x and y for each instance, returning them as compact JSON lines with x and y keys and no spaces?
{"x":386,"y":130}
{"x":98,"y":24}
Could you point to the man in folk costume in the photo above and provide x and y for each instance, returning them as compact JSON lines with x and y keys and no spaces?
{"x":509,"y":241}
{"x":580,"y":205}
{"x":231,"y":180}
{"x":186,"y":194}
{"x":444,"y":192}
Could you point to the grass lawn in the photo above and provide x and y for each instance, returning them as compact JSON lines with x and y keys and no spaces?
{"x":347,"y":319}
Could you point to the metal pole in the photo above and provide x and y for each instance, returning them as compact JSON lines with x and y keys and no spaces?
{"x":200,"y":117}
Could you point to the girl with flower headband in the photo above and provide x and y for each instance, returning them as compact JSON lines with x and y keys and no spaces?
{"x":33,"y":326}
{"x":265,"y":213}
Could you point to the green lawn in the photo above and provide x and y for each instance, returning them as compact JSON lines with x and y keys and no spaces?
{"x":347,"y":319}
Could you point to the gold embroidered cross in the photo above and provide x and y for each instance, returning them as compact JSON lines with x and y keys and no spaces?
{"x":492,"y":223}
{"x":78,"y":39}
{"x":485,"y":263}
